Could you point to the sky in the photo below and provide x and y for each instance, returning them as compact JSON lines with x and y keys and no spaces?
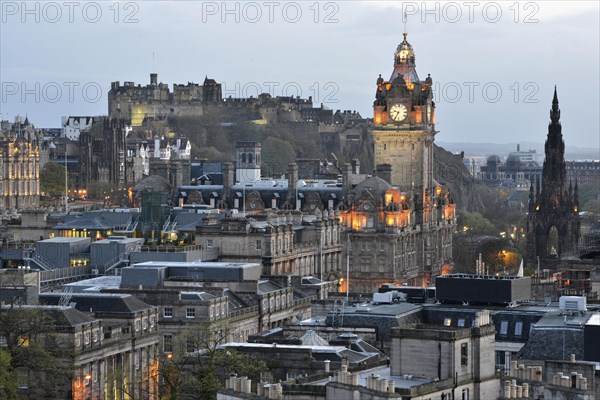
{"x":494,"y":64}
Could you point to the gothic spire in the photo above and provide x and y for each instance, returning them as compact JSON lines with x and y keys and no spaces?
{"x":555,"y":112}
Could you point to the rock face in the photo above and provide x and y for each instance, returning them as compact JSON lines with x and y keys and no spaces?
{"x":450,"y":171}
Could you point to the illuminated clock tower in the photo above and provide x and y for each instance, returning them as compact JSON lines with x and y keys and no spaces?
{"x":404,"y":126}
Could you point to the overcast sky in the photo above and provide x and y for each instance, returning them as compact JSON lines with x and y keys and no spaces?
{"x":494,"y":64}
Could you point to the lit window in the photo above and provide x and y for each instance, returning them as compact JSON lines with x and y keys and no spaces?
{"x":447,"y":322}
{"x":168,"y":312}
{"x":503,"y":327}
{"x":518,"y":329}
{"x":190,"y":313}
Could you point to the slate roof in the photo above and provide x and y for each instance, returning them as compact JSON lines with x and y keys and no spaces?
{"x":100,"y":302}
{"x":267,"y":287}
{"x":95,"y":224}
{"x":64,"y":317}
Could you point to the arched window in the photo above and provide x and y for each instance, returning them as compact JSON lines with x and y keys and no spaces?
{"x":250,"y":158}
{"x":243,"y":157}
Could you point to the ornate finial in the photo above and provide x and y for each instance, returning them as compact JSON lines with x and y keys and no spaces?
{"x":405,"y":34}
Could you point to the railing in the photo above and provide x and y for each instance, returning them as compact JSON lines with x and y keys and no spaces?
{"x":59,"y":274}
{"x":169,"y":249}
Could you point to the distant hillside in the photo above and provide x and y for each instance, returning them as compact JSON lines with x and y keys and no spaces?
{"x":485,"y":149}
{"x":449,"y":170}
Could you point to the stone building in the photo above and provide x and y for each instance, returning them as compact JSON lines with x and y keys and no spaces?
{"x":401,"y":221}
{"x":284,"y":243}
{"x":155,"y":100}
{"x":20,"y":166}
{"x":110,"y":347}
{"x":553,"y":225}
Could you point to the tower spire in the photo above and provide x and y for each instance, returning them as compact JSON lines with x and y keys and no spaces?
{"x":555,"y":111}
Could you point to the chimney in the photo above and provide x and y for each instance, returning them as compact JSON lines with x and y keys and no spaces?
{"x":384,"y":171}
{"x":154,"y":79}
{"x":292,"y":183}
{"x":227,"y":177}
{"x":355,"y":166}
{"x":346,"y":183}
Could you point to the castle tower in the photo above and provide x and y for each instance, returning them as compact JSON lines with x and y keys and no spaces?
{"x":247,"y":162}
{"x":404,"y":124}
{"x":553,"y":210}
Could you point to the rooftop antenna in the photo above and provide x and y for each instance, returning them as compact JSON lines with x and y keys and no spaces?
{"x":405,"y":18}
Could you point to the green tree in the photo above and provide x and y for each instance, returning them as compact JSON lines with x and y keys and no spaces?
{"x":34,"y":350}
{"x":52,"y":179}
{"x":8,"y":380}
{"x":476,"y":223}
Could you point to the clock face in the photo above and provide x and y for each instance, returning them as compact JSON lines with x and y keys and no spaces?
{"x":398,"y":112}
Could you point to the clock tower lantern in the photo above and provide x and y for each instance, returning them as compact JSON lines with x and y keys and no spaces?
{"x":404,"y":126}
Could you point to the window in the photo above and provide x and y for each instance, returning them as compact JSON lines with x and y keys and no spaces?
{"x":464,"y":354}
{"x":145,"y":323}
{"x":190,"y":313}
{"x":223,"y":309}
{"x":168,"y":343}
{"x":190,"y":346}
{"x":151,"y":322}
{"x":168,"y":312}
{"x":465,"y":394}
{"x":78,"y":340}
{"x":137,"y":325}
{"x":22,"y":379}
{"x":503,"y":327}
{"x":461,"y":322}
{"x":137,"y":359}
{"x":258,"y":245}
{"x":212,"y":311}
{"x":447,"y":322}
{"x":500,"y":360}
{"x":209,"y":243}
{"x":95,"y":335}
{"x":518,"y":329}
{"x":86,"y":336}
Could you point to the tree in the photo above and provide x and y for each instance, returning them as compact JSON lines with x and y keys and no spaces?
{"x":196,"y":368}
{"x":8,"y":380}
{"x":34,"y":350}
{"x":476,"y":223}
{"x":52,"y":179}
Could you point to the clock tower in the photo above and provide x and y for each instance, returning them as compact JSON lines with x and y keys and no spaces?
{"x":404,"y":126}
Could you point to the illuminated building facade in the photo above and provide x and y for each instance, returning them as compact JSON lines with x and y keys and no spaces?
{"x":20,"y":167}
{"x":401,"y":221}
